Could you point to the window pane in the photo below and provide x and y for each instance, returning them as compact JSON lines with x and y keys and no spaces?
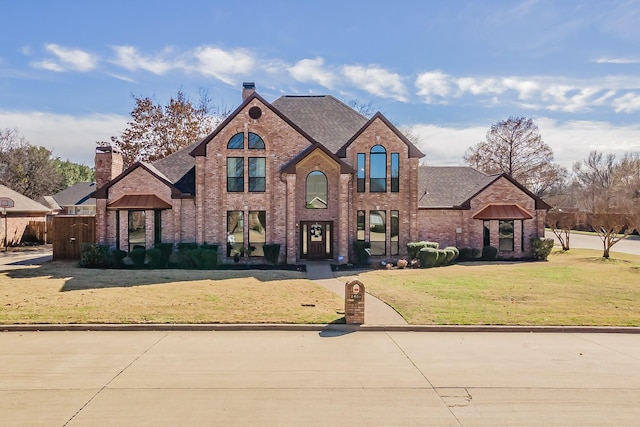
{"x":486,"y":234}
{"x":360,"y":221}
{"x":506,"y":236}
{"x":316,"y":190}
{"x":327,"y":239}
{"x":377,"y":232}
{"x":257,"y":174}
{"x":395,"y":172}
{"x":395,"y":232}
{"x":236,"y":142}
{"x":255,"y":142}
{"x":361,"y":172}
{"x":235,"y":233}
{"x":137,"y":231}
{"x":378,"y":169}
{"x":235,"y":174}
{"x":305,"y":236}
{"x":157,"y":226}
{"x":257,"y":232}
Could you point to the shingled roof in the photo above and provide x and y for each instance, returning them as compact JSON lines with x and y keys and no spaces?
{"x":449,"y":186}
{"x":179,"y":169}
{"x":78,"y":194}
{"x":326,"y":119}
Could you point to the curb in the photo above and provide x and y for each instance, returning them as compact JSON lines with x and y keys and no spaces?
{"x":316,"y":328}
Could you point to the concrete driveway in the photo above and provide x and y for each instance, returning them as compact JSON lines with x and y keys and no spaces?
{"x":328,"y":378}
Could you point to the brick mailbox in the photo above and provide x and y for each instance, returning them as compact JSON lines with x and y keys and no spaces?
{"x":354,"y":302}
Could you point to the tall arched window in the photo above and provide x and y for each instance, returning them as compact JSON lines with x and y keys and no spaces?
{"x":377,"y":169}
{"x":240,"y":165}
{"x":316,"y":190}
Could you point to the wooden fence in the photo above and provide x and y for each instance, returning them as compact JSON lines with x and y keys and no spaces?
{"x":69,"y":232}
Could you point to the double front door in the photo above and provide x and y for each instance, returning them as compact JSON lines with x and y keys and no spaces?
{"x":316,"y":239}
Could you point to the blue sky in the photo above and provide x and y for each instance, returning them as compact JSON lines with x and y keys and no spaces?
{"x":446,"y":69}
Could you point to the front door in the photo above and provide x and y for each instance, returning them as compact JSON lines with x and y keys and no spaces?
{"x":316,"y":240}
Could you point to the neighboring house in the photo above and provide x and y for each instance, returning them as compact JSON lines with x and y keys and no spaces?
{"x":312,"y":174}
{"x":75,"y":200}
{"x":25,"y":221}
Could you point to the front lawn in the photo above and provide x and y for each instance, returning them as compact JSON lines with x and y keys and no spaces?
{"x":61,"y":292}
{"x":574,"y":288}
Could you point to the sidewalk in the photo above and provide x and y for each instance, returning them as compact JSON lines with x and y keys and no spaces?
{"x":376,"y":311}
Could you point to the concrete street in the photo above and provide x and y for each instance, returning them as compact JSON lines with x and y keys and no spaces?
{"x":169,"y":378}
{"x":630,"y":245}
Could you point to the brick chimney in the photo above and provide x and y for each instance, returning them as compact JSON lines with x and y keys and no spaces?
{"x":247,"y":89}
{"x":108,"y":164}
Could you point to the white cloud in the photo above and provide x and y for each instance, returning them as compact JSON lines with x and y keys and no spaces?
{"x":221,"y":64}
{"x":571,"y":141}
{"x":627,"y":103}
{"x":432,"y":83}
{"x":131,"y":59}
{"x":67,"y":59}
{"x":618,"y":61}
{"x":69,"y":137}
{"x":376,"y":81}
{"x":312,"y":70}
{"x":533,"y":92}
{"x":445,"y":146}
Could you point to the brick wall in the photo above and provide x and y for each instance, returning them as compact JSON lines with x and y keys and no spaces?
{"x":14,"y":226}
{"x":282,"y":144}
{"x":452,"y":227}
{"x":404,"y":201}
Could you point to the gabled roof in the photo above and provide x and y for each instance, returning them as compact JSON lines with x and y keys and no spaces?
{"x":79,"y":193}
{"x":22,"y":203}
{"x":413,"y":150}
{"x":448,"y":186}
{"x":200,"y":149}
{"x":453,"y":187}
{"x":325,"y":118}
{"x":290,"y":167}
{"x":177,"y":164}
{"x":101,"y":193}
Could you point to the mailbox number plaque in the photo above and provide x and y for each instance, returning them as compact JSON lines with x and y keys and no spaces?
{"x":355,"y":292}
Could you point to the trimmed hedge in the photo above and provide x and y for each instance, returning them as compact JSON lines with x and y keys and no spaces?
{"x":155,"y":258}
{"x":138,"y":255}
{"x":428,"y":257}
{"x":413,"y":248}
{"x":360,"y":251}
{"x":92,"y":255}
{"x":489,"y":253}
{"x":541,"y":248}
{"x":272,"y":252}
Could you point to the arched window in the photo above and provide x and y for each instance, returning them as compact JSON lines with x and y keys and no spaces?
{"x":236,"y":142}
{"x":255,"y":142}
{"x":241,"y":165}
{"x":316,"y":191}
{"x":377,"y":169}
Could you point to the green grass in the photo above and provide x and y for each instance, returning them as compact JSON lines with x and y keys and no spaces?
{"x":574,"y":288}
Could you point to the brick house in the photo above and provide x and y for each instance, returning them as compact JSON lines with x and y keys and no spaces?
{"x":312,"y":174}
{"x":21,"y":218}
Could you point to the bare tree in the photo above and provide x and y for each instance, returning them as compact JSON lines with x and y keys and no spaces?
{"x":514,"y":146}
{"x":157,"y":131}
{"x":611,"y":228}
{"x":367,"y":109}
{"x":561,"y":223}
{"x":609,"y":195}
